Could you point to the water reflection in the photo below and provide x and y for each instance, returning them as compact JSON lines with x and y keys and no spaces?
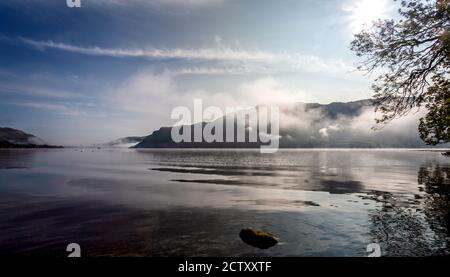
{"x":15,"y":159}
{"x":189,"y":202}
{"x":416,"y":225}
{"x":436,"y":183}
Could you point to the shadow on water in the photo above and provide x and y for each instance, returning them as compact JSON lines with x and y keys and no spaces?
{"x":16,"y":159}
{"x":418,"y":226}
{"x":340,"y":187}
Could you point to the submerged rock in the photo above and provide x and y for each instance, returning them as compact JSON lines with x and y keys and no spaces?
{"x":257,"y":238}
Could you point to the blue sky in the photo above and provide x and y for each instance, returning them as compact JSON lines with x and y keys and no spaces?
{"x":115,"y":68}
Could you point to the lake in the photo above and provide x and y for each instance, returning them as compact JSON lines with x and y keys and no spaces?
{"x":130,"y":202}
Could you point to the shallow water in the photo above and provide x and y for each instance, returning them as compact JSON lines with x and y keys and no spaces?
{"x":195,"y":202}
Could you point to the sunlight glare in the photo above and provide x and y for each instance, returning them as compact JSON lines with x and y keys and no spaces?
{"x":362,"y":13}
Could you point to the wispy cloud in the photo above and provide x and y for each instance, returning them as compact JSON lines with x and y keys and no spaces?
{"x":176,"y":53}
{"x":116,"y":7}
{"x":79,"y":110}
{"x":33,"y":91}
{"x":161,"y":2}
{"x":242,"y":60}
{"x":35,"y":85}
{"x":122,"y":2}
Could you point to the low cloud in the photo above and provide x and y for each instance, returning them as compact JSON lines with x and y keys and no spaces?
{"x":308,"y":127}
{"x":151,"y":97}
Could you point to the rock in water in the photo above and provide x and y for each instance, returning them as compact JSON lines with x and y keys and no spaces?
{"x":257,"y":238}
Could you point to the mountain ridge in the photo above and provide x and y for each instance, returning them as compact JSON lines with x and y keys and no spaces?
{"x":314,"y":125}
{"x":14,"y":138}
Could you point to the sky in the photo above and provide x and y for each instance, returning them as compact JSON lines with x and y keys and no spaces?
{"x":116,"y":68}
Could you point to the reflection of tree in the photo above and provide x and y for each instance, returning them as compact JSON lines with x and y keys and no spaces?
{"x":436,"y":183}
{"x":398,"y":230}
{"x":415,"y":226}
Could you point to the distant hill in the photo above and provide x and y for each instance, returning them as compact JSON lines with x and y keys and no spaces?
{"x":13,"y":138}
{"x":162,"y":139}
{"x":123,"y":142}
{"x":313,"y":125}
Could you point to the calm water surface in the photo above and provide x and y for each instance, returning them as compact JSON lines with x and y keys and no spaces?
{"x":195,"y":202}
